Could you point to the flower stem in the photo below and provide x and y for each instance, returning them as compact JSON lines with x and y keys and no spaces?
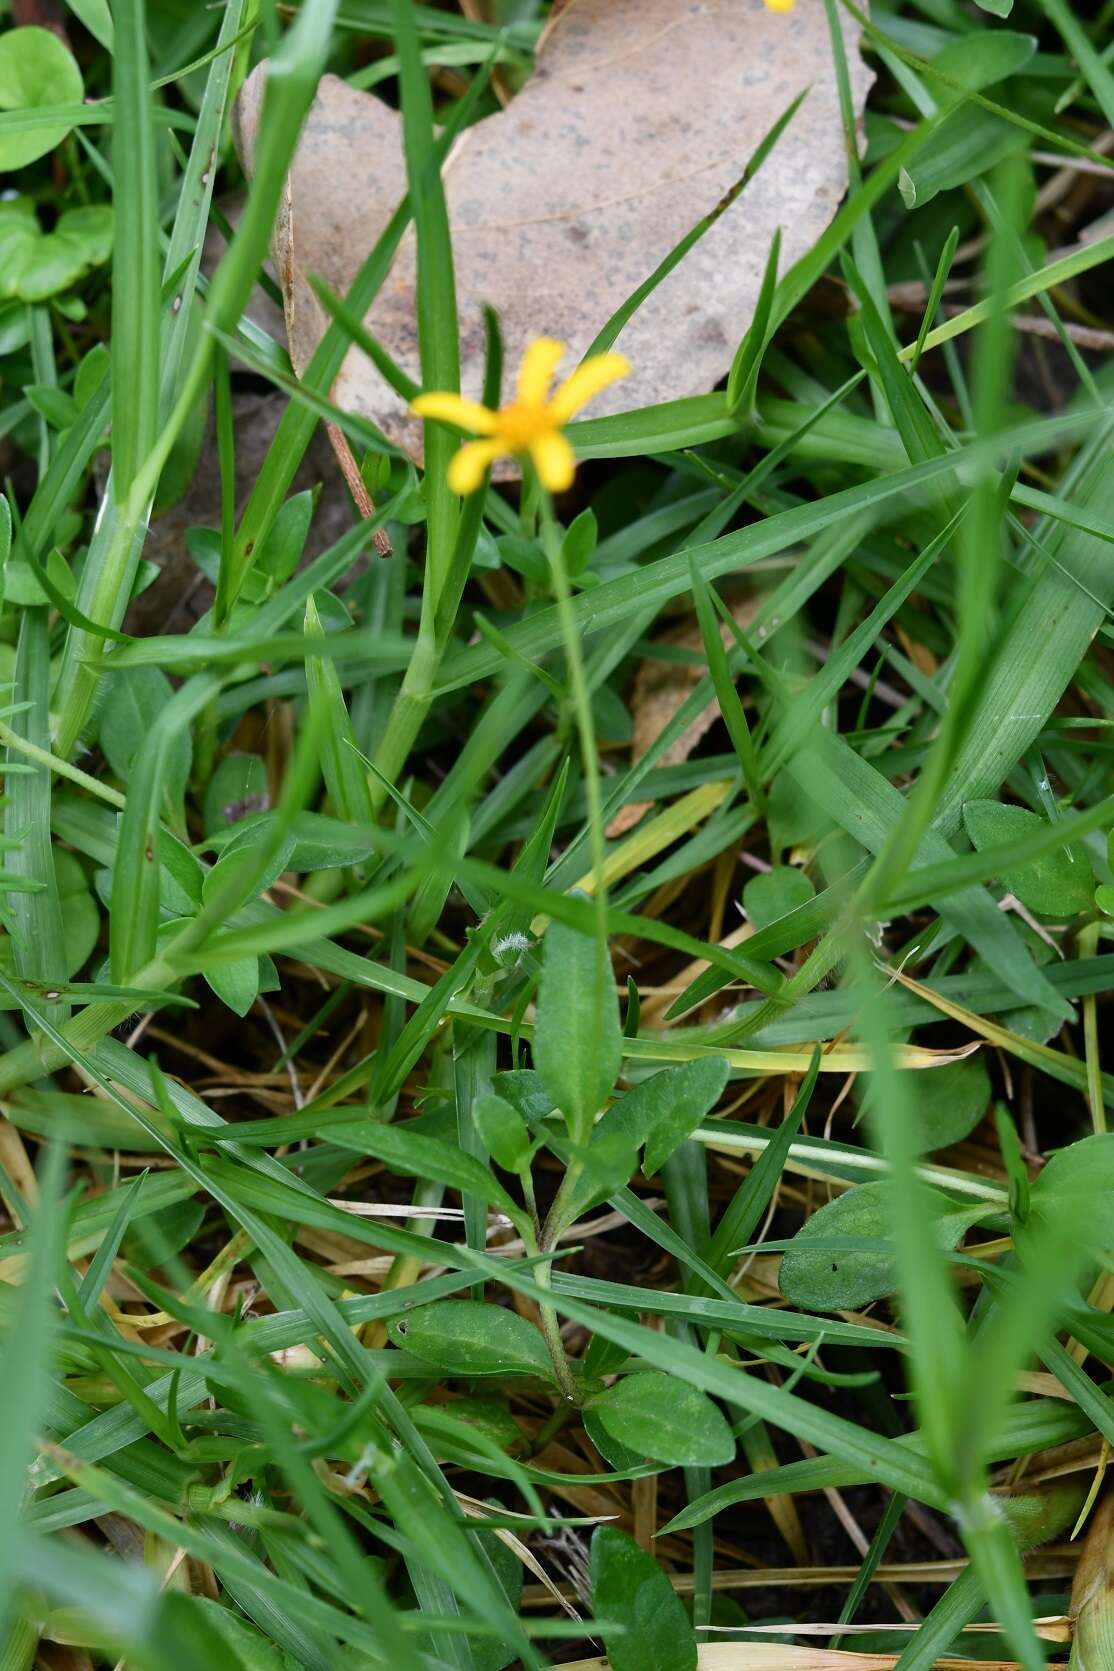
{"x":581,"y":703}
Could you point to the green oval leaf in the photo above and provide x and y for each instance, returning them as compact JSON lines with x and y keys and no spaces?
{"x":630,"y":1590}
{"x":577,"y":1037}
{"x":834,"y":1277}
{"x":655,"y":1415}
{"x":81,"y":921}
{"x":987,"y":56}
{"x":236,"y":983}
{"x":467,"y":1337}
{"x":315,"y":842}
{"x":245,"y":1645}
{"x":134,"y":699}
{"x":502,"y":1131}
{"x":1077,"y":1188}
{"x":951,"y":1101}
{"x":666,"y":1107}
{"x":610,"y":1160}
{"x":614,"y":1453}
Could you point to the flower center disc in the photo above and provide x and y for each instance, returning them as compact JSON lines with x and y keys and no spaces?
{"x":519,"y":424}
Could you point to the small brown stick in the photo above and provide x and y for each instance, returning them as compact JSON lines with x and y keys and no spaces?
{"x":1033,"y":324}
{"x":350,"y":470}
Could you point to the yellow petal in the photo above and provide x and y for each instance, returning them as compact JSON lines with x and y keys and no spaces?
{"x":585,"y":383}
{"x":780,"y":5}
{"x":554,"y":461}
{"x":535,"y":374}
{"x":469,"y":465}
{"x":454,"y":409}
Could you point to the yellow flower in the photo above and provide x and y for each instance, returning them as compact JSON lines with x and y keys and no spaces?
{"x":533,"y":421}
{"x":780,"y":5}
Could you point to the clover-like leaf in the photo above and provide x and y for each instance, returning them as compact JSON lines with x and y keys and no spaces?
{"x":1058,"y":883}
{"x":91,"y":226}
{"x":35,"y":69}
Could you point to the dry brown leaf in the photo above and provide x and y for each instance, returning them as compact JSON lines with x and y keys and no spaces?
{"x":640,"y":117}
{"x":660,"y":688}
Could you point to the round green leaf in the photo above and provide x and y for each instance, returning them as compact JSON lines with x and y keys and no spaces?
{"x":134,"y":699}
{"x":56,"y":405}
{"x":49,"y":263}
{"x":71,"y":307}
{"x":35,"y":69}
{"x":613,"y":1453}
{"x":979,"y":60}
{"x":502,"y":1131}
{"x":774,"y":893}
{"x":16,"y":213}
{"x":489,"y":1416}
{"x":15,"y":326}
{"x":491,"y":1653}
{"x":1030,"y":1021}
{"x":1076,"y":1189}
{"x":91,"y":227}
{"x":81,"y":921}
{"x":89,"y":375}
{"x":153,"y":1240}
{"x":313,"y":842}
{"x":795,"y":819}
{"x":19,"y":233}
{"x":245,"y":1645}
{"x":833,"y":1277}
{"x":235,"y":983}
{"x":237,"y":789}
{"x":1058,"y":884}
{"x":951,"y":1101}
{"x":653,"y":1414}
{"x":631,"y":1590}
{"x":97,"y":18}
{"x":579,"y":544}
{"x":467,"y":1337}
{"x":81,"y":927}
{"x":249,"y":866}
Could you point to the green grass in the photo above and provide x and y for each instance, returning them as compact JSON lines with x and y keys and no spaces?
{"x":431,"y":1233}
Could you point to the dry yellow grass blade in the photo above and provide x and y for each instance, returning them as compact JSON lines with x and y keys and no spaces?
{"x":1042,"y":1056}
{"x":773,"y":1656}
{"x":840,"y":1058}
{"x":681,"y":818}
{"x":1092,"y":1595}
